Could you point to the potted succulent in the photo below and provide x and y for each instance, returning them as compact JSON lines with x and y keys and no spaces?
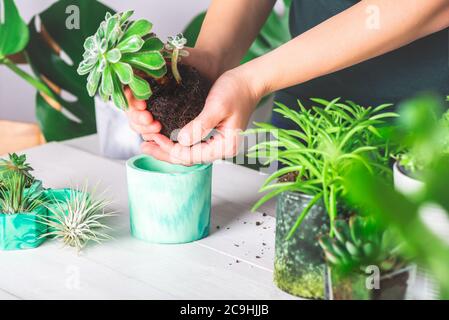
{"x":359,"y":245}
{"x":126,"y":53}
{"x":330,"y":138}
{"x":20,"y":212}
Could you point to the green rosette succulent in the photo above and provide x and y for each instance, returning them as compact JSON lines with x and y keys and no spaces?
{"x":115,"y":51}
{"x":16,"y":164}
{"x":358,"y":244}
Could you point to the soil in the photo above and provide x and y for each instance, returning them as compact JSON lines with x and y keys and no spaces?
{"x":175,"y":105}
{"x":289,"y":177}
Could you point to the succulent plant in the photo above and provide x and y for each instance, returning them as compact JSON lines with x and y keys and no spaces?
{"x":115,"y":51}
{"x":14,"y":198}
{"x":358,"y":244}
{"x":175,"y":46}
{"x":16,"y":164}
{"x":77,"y":219}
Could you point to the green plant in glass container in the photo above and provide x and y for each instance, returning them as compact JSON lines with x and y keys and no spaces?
{"x":359,"y":245}
{"x":331,"y":137}
{"x":125,"y":53}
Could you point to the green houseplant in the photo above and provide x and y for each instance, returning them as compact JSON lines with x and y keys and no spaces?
{"x":126,"y":53}
{"x":331,"y":137}
{"x":20,"y":211}
{"x":359,"y":245}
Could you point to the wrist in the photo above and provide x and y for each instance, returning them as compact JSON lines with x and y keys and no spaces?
{"x":254,"y":78}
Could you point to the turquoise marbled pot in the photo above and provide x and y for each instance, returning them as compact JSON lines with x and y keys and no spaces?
{"x":168,"y":203}
{"x":22,"y":230}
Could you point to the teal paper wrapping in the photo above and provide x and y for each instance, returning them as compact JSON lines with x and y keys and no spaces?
{"x":168,"y":203}
{"x":22,"y":230}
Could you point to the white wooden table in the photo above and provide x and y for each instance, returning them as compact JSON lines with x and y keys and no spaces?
{"x":234,"y":262}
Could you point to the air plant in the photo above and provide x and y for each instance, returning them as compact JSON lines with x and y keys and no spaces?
{"x":174,"y":47}
{"x":78,"y":219}
{"x":14,"y":198}
{"x":16,"y":164}
{"x":330,"y":139}
{"x":115,"y":51}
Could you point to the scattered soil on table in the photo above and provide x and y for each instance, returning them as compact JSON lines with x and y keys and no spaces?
{"x":175,"y":105}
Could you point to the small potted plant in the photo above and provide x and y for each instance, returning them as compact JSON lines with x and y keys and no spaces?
{"x":359,"y":247}
{"x":20,"y":212}
{"x":126,"y":53}
{"x":330,"y":138}
{"x":424,"y":124}
{"x":18,"y":164}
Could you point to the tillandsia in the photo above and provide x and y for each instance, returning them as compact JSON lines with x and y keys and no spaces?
{"x":329,"y":139}
{"x":14,"y":198}
{"x":16,"y":164}
{"x":78,"y":219}
{"x":359,"y":243}
{"x":115,"y":51}
{"x":175,"y":47}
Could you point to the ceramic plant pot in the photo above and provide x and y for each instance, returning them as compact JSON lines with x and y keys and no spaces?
{"x":299,"y":267}
{"x":117,"y":139}
{"x":434,"y":217}
{"x":391,"y":286}
{"x":22,"y":230}
{"x":168,"y":203}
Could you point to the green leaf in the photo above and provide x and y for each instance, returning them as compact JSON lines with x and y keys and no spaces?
{"x":118,"y":96}
{"x":107,"y":85}
{"x":151,"y":60}
{"x":124,"y":72}
{"x":126,"y":15}
{"x":138,"y":28}
{"x":56,"y":125}
{"x":152,"y":44}
{"x":132,"y":44}
{"x":113,"y":56}
{"x":156,"y":74}
{"x":140,"y":88}
{"x":14,"y":34}
{"x":92,"y":81}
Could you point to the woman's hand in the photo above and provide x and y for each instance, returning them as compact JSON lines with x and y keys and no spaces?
{"x":228,"y":108}
{"x":140,"y":118}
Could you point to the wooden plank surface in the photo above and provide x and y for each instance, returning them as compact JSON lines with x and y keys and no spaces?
{"x":234,"y":262}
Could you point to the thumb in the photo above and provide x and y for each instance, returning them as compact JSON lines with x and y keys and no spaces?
{"x":200,"y":127}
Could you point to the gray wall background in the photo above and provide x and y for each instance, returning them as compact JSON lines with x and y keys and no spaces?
{"x":168,"y":16}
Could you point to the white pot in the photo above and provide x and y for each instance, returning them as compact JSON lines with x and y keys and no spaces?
{"x":405,"y":184}
{"x":436,"y":220}
{"x":117,"y":139}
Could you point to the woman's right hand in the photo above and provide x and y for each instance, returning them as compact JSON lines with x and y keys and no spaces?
{"x":141,"y":120}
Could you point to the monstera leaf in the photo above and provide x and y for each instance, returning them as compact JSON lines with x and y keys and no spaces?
{"x":55,"y":50}
{"x":274,"y":33}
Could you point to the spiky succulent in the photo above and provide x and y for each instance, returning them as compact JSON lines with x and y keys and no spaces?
{"x":359,"y":243}
{"x":115,"y":51}
{"x":78,"y":218}
{"x":175,"y":46}
{"x":16,"y":164}
{"x":14,"y":197}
